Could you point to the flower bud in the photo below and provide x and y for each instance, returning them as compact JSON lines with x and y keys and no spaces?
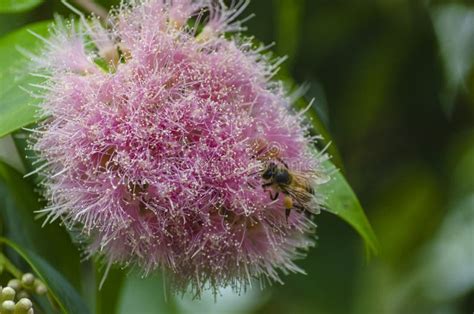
{"x":14,"y":284}
{"x":27,"y":280}
{"x":40,"y":287}
{"x":8,"y":293}
{"x":22,"y":294}
{"x":23,"y":306}
{"x":7,"y":307}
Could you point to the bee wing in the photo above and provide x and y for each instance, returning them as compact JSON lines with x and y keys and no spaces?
{"x":320,"y":177}
{"x":311,"y":178}
{"x":303,"y":198}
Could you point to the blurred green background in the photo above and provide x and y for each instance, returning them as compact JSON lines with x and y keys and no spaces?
{"x":393,"y":82}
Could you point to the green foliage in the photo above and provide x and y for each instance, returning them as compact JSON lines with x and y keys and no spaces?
{"x":17,"y":107}
{"x":144,"y":295}
{"x":13,"y":6}
{"x":18,"y":203}
{"x":342,"y":202}
{"x":418,"y":203}
{"x":289,"y":13}
{"x":108,"y":297}
{"x":63,"y":293}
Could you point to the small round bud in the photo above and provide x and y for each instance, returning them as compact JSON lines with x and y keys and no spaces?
{"x":8,"y":307}
{"x":30,"y":311}
{"x":40,"y":288}
{"x":23,"y":305}
{"x":15,"y":284}
{"x":22,"y":294}
{"x":27,"y":280}
{"x":8,"y":293}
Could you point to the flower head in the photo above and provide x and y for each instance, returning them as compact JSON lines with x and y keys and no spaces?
{"x":158,"y":131}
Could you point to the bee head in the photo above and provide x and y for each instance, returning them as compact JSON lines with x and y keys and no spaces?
{"x":270,"y":171}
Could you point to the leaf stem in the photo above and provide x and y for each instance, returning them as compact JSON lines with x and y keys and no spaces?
{"x":5,"y":262}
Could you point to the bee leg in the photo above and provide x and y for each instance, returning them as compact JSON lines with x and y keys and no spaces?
{"x":304,"y":210}
{"x":274,"y":197}
{"x":287,"y":213}
{"x":251,"y":185}
{"x":288,"y":203}
{"x":298,"y":207}
{"x":266,"y":185}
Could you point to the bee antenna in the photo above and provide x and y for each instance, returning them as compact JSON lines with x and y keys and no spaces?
{"x":254,"y":173}
{"x":284,"y":163}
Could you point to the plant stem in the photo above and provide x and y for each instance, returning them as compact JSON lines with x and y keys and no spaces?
{"x":9,"y":266}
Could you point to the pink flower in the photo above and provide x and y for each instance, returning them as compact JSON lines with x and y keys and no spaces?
{"x":156,"y":141}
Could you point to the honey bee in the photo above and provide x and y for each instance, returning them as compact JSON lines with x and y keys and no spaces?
{"x":297,"y":187}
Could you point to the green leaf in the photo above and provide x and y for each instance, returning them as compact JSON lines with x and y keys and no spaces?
{"x":60,"y":289}
{"x":289,"y":14}
{"x":318,"y":126}
{"x":320,"y":129}
{"x":17,"y":107}
{"x":410,"y":197}
{"x":342,"y":202}
{"x":18,"y":203}
{"x":144,"y":295}
{"x":340,"y":199}
{"x":13,"y":6}
{"x":108,"y":296}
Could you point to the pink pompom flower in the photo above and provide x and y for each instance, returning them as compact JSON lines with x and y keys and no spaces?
{"x":167,"y":145}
